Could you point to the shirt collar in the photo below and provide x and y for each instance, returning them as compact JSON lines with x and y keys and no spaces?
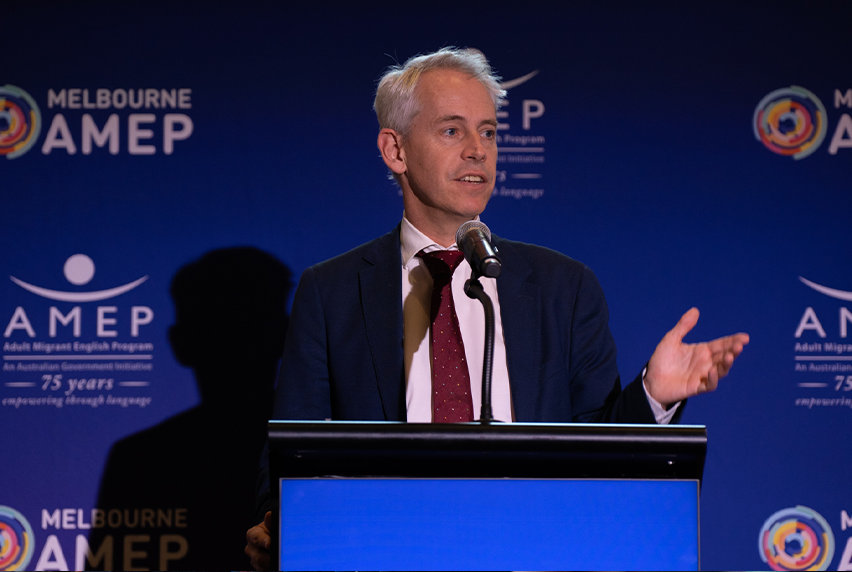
{"x":413,"y":241}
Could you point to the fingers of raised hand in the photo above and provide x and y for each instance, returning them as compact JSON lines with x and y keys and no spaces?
{"x":740,"y":342}
{"x":703,"y":376}
{"x":712,"y":380}
{"x":726,"y":350}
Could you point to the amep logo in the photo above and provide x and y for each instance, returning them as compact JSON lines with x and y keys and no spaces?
{"x":20,"y":121}
{"x":796,"y":538}
{"x":139,"y":117}
{"x":790,"y":121}
{"x":79,"y":270}
{"x":16,"y":540}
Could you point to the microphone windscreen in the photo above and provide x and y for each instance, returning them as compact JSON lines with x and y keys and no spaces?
{"x":463,"y":230}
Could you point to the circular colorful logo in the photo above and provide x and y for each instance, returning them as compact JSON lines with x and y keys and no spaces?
{"x":16,"y":540}
{"x":20,"y":121}
{"x":790,"y":121}
{"x":796,"y":539}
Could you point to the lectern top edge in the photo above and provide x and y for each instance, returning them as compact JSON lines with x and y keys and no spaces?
{"x":359,"y":433}
{"x":358,"y":449}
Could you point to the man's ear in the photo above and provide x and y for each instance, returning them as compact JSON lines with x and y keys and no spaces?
{"x":390,"y":146}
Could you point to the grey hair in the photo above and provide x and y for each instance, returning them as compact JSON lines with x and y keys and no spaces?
{"x":395,"y":103}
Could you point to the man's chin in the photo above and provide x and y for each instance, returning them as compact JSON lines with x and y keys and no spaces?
{"x":471,"y":213}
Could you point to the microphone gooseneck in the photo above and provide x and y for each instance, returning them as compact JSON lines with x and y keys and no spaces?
{"x":473,"y":289}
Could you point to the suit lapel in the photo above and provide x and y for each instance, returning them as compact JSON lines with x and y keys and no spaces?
{"x":381,"y":304}
{"x":520,"y":311}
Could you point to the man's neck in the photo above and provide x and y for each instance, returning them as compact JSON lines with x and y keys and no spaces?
{"x":443,"y":232}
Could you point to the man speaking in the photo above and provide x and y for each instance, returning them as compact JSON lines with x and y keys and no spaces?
{"x":385,"y":331}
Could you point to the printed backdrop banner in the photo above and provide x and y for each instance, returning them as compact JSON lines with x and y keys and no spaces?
{"x":692,"y":154}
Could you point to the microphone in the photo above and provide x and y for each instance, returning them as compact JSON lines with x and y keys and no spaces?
{"x":474,"y":240}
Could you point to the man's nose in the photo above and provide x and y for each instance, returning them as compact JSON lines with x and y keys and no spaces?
{"x":474,"y":149}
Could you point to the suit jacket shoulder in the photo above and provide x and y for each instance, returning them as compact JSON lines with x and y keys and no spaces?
{"x":380,"y":251}
{"x":343,"y":353}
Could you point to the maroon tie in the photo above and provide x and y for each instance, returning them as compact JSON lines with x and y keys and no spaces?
{"x":451,"y":399}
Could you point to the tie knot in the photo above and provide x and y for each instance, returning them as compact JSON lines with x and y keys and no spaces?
{"x":441,"y":262}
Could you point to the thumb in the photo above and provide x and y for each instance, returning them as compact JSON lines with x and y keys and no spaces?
{"x":267,"y":523}
{"x":684,"y":325}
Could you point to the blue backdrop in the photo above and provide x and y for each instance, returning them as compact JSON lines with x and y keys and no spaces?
{"x":631,"y":147}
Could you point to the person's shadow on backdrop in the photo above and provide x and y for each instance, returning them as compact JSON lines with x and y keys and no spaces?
{"x":186,"y":487}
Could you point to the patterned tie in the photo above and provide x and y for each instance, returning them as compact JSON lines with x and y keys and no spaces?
{"x":451,"y":399}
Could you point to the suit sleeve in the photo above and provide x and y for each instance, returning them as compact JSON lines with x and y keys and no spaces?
{"x":304,"y":390}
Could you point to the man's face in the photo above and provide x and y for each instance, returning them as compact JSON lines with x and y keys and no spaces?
{"x":450,"y":151}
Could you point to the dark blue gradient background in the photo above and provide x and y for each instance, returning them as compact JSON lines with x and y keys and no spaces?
{"x":652,"y":177}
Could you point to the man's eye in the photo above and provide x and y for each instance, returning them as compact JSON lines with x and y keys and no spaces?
{"x":489,"y":134}
{"x":451,"y":131}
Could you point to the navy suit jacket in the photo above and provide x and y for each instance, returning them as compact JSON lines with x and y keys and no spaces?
{"x":343,"y":357}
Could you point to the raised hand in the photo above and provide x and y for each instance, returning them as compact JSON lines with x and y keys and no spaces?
{"x":678,"y":370}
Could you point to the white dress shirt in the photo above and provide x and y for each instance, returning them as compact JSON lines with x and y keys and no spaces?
{"x":416,"y":300}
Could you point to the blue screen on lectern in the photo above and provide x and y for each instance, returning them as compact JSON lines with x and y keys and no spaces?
{"x":488,"y":524}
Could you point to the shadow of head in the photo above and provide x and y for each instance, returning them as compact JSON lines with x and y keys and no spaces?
{"x":230,"y":321}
